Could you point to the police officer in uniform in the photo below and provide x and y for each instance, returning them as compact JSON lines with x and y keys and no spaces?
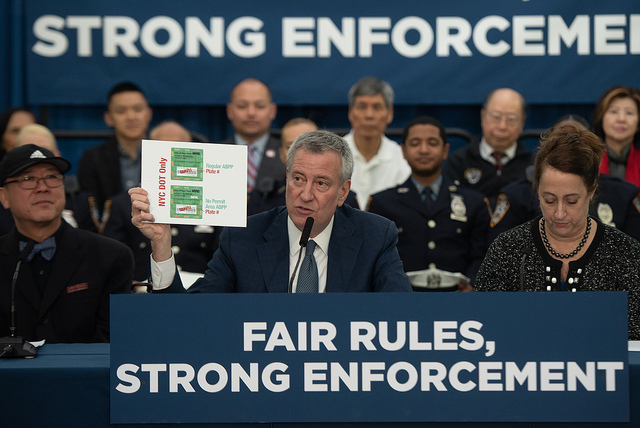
{"x":442,"y":227}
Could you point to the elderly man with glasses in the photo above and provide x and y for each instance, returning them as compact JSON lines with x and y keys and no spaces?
{"x":59,"y":277}
{"x":497,"y":158}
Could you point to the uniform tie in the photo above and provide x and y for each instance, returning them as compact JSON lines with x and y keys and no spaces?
{"x":308,"y":279}
{"x":498,"y":157}
{"x":425,"y":195}
{"x":252,"y":170}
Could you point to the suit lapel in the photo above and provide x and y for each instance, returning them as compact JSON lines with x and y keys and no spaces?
{"x":25,"y":284}
{"x":412,"y":198}
{"x":68,"y":257}
{"x":343,"y":253}
{"x":273,"y":255}
{"x":270,"y":165}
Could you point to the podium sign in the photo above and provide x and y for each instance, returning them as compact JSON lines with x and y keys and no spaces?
{"x":370,"y":357}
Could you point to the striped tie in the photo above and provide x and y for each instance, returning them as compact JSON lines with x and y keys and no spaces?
{"x":498,"y":157}
{"x":252,"y":170}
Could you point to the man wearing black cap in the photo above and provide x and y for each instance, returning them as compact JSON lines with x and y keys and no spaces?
{"x":63,"y":285}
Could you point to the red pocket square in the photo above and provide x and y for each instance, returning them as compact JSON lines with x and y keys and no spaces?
{"x":77,"y":287}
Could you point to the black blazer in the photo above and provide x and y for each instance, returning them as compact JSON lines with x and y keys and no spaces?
{"x":86,"y":269}
{"x":271,"y":167}
{"x":99,"y":171}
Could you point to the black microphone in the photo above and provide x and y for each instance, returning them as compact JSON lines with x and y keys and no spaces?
{"x":265,"y":187}
{"x":306,"y":231}
{"x":526,"y":250}
{"x":16,"y":346}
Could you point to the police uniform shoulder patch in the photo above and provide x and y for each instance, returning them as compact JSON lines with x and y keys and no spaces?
{"x":502,"y":206}
{"x":472,"y":175}
{"x":636,"y":202}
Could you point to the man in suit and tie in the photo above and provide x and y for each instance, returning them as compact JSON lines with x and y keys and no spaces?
{"x":251,"y":111}
{"x":443,"y":227}
{"x":349,"y":250}
{"x":66,"y":274}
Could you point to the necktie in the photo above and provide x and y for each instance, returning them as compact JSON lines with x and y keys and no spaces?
{"x":308,"y":279}
{"x":426,"y":195}
{"x":46,"y":249}
{"x":252,"y":170}
{"x":498,"y":157}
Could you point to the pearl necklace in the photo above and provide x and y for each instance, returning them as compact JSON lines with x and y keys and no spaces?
{"x":574,"y":252}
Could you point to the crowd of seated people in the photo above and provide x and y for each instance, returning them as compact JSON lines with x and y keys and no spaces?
{"x":443,"y":207}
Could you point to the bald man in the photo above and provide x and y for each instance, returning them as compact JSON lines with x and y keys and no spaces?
{"x":497,"y":158}
{"x":251,"y":111}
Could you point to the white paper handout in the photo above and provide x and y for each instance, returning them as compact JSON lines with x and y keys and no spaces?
{"x":196,"y":183}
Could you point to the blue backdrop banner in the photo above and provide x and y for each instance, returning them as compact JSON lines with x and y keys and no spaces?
{"x":450,"y":357}
{"x":192,"y":52}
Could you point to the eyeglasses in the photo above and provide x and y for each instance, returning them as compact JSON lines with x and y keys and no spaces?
{"x":29,"y":182}
{"x":510,"y":119}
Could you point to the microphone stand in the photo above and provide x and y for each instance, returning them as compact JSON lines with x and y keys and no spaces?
{"x":16,"y":346}
{"x":306,"y":232}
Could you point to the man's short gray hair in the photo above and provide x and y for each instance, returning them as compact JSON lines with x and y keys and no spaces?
{"x":370,"y":86}
{"x":318,"y":142}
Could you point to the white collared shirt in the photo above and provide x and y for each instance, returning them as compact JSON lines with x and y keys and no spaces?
{"x":162,"y":273}
{"x":486,"y":150}
{"x":321,"y":253}
{"x":260,"y":145}
{"x":385,"y":169}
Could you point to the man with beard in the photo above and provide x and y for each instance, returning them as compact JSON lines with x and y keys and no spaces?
{"x":442,"y":226}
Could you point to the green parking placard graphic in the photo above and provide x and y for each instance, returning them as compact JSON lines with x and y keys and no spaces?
{"x":186,"y":202}
{"x":186,"y":164}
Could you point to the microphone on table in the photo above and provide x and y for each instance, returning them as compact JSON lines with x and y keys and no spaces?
{"x":306,"y":231}
{"x":526,"y":250}
{"x":16,"y":346}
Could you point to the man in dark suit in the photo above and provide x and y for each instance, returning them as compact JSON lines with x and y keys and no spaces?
{"x":251,"y":111}
{"x":64,"y":282}
{"x":443,"y":227}
{"x":270,"y":194}
{"x":354,"y":251}
{"x":114,"y":166}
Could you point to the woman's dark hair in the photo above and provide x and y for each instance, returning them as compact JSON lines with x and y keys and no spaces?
{"x":571,"y":150}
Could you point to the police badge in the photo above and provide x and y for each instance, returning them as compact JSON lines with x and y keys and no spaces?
{"x":605,"y":214}
{"x":458,"y":208}
{"x":472,"y":175}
